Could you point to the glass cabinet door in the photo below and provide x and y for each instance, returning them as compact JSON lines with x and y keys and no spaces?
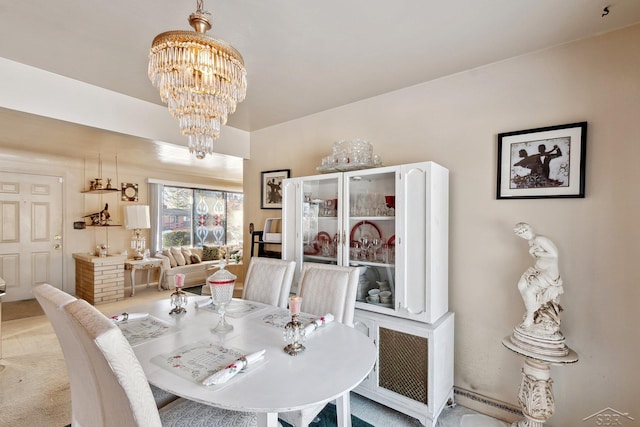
{"x":312,"y":220}
{"x":370,"y":233}
{"x":322,"y":218}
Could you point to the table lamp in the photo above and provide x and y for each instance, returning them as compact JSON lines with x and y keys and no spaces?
{"x":136,"y":217}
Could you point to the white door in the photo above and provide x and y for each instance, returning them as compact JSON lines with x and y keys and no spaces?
{"x":30,"y":233}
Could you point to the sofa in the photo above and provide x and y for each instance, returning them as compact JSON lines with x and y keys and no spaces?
{"x":195,"y":263}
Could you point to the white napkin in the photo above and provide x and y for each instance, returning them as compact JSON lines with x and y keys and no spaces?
{"x":128,"y":316}
{"x":224,"y":375}
{"x":203,"y":303}
{"x":315,"y":324}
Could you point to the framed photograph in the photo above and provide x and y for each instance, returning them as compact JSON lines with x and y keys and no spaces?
{"x":541,"y":163}
{"x":271,"y":188}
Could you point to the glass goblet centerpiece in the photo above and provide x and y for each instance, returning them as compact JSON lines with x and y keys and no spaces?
{"x":221,"y":284}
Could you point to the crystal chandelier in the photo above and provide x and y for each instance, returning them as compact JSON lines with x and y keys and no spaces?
{"x":201,"y":80}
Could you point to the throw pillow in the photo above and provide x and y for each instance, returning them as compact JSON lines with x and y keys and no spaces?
{"x":195,"y":259}
{"x":172,"y":260}
{"x":186,"y":252}
{"x":210,"y":253}
{"x":177,"y":254}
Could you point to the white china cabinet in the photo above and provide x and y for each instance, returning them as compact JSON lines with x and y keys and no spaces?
{"x":392,"y":223}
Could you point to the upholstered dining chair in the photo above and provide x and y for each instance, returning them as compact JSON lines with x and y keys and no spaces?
{"x":52,"y":299}
{"x":324,"y":288}
{"x":269,"y":281}
{"x":327,"y":288}
{"x":111,"y":386}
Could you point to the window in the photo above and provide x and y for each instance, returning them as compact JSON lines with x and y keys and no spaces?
{"x":195,"y":217}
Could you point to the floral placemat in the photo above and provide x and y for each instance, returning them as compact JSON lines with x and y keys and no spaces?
{"x":141,"y":330}
{"x":282,"y":316}
{"x":238,"y":308}
{"x":197,"y":361}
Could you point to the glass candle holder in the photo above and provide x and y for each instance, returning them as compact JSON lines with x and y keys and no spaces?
{"x":294,"y":330}
{"x":178,"y":298}
{"x":179,"y":302}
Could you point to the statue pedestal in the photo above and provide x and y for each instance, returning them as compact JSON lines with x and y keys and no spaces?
{"x":535,"y":395}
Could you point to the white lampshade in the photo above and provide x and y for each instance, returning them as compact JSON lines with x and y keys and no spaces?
{"x":136,"y":216}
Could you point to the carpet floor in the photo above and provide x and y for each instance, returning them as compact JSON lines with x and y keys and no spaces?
{"x":21,"y":309}
{"x":328,"y":418}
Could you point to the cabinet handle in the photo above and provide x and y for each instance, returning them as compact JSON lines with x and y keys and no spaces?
{"x":408,"y":310}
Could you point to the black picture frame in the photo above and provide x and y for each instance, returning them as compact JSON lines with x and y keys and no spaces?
{"x":271,"y":188}
{"x":542,"y":163}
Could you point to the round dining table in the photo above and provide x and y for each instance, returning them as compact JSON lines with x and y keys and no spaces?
{"x":335,"y":360}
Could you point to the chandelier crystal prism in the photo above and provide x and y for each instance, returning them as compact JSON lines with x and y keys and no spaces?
{"x":201,"y":80}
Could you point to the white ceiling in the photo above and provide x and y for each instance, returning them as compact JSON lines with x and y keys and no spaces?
{"x":302,"y":57}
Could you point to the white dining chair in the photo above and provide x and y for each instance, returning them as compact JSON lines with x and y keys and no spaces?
{"x":324,"y":288}
{"x":52,"y":299}
{"x":327,"y":288}
{"x":269,"y":281}
{"x":111,"y":386}
{"x":125,"y":396}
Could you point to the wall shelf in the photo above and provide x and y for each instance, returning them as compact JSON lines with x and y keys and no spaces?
{"x":102,"y":217}
{"x":101,"y":191}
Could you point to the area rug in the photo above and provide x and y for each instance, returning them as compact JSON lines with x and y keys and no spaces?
{"x":197,"y":290}
{"x":328,"y":418}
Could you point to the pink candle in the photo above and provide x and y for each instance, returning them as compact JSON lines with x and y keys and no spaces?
{"x":294,"y":304}
{"x":179,"y":280}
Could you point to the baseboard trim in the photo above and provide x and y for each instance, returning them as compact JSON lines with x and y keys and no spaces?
{"x":487,"y":405}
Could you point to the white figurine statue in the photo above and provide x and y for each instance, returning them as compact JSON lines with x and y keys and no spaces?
{"x":540,"y":285}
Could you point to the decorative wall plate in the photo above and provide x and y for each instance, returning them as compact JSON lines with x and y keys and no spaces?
{"x":129,"y":192}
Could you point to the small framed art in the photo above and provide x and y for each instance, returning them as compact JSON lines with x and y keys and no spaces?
{"x":271,"y":188}
{"x":543,"y":162}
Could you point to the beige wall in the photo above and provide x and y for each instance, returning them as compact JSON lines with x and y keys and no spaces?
{"x":455,"y":121}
